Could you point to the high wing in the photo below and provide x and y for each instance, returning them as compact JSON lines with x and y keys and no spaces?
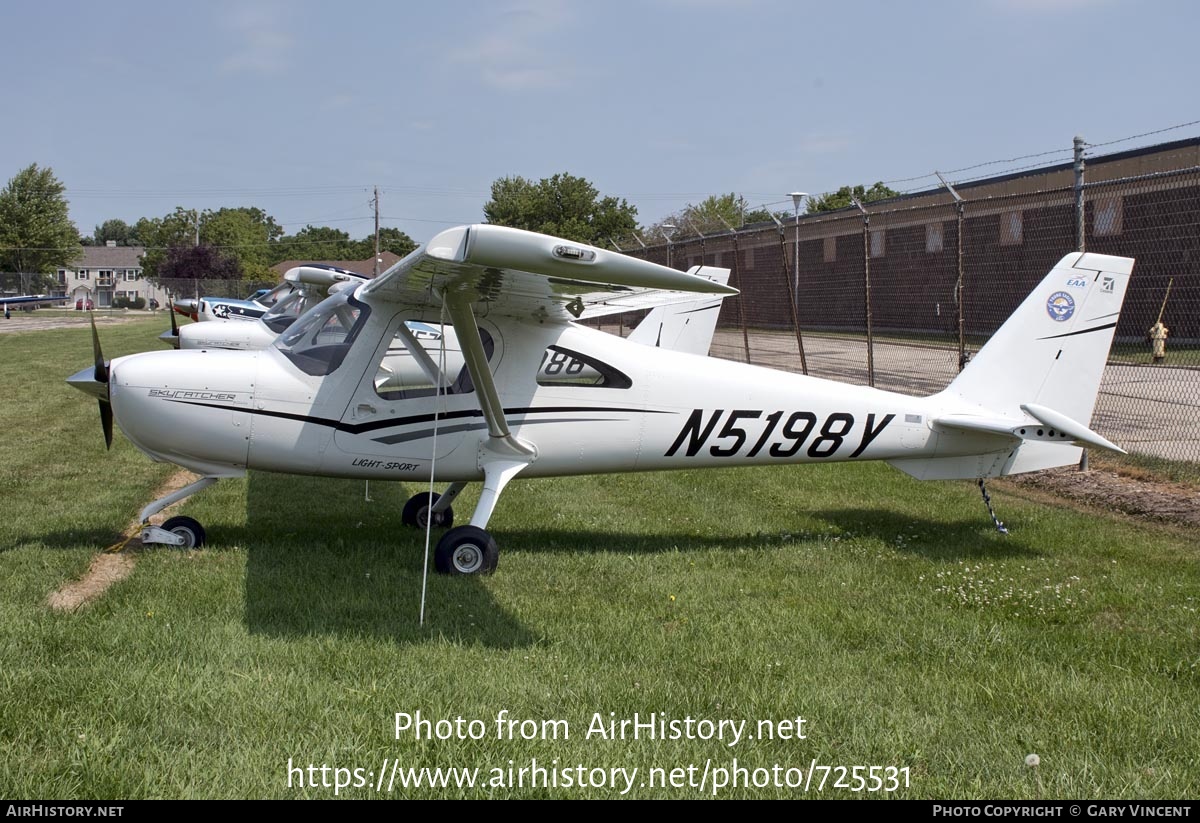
{"x":524,"y":275}
{"x":607,"y":303}
{"x":531,"y":278}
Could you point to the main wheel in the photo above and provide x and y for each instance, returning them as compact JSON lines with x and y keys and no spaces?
{"x":466,"y":550}
{"x":417,"y":512}
{"x":190,"y":530}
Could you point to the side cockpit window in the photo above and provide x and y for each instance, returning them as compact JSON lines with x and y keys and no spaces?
{"x":421,"y":355}
{"x":319,"y":340}
{"x":563,"y":367}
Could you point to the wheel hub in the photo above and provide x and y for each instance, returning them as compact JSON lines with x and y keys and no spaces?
{"x":467,"y":558}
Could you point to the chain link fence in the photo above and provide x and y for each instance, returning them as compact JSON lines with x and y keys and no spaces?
{"x":901,"y":297}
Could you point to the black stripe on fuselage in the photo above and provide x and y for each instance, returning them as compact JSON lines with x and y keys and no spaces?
{"x":373,"y":425}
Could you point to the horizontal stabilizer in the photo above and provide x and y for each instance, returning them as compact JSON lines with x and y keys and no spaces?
{"x":1048,"y":426}
{"x":1071,"y":428}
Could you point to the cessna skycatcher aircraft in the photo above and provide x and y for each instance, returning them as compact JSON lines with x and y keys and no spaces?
{"x":301,"y":289}
{"x":539,"y":395}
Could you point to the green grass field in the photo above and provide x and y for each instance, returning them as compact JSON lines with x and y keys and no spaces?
{"x":885,"y":612}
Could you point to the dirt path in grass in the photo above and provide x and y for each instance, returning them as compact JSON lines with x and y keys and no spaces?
{"x":1139,"y":497}
{"x":108,"y":568}
{"x":40,"y":321}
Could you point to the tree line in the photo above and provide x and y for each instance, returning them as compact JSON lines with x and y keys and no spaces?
{"x":37,"y":236}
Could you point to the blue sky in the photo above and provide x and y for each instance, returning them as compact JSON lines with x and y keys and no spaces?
{"x":300,"y":107}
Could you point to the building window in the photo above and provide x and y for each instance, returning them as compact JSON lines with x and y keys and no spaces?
{"x":83,"y":274}
{"x":62,"y":277}
{"x":1108,"y":216}
{"x":877,"y":242}
{"x":1011,"y":228}
{"x":933,"y":238}
{"x":829,"y":249}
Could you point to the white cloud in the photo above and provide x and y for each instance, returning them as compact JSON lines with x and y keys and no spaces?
{"x":260,"y":44}
{"x":517,"y":53}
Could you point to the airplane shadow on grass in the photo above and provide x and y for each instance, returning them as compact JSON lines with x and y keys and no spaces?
{"x":321,"y":560}
{"x":935,"y":540}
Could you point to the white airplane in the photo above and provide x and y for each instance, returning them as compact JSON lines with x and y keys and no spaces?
{"x":315,"y":403}
{"x":301,"y":288}
{"x":31,"y":301}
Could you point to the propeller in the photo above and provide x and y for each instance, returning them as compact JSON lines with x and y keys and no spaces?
{"x":100,"y":375}
{"x":171,"y":338}
{"x":94,"y":381}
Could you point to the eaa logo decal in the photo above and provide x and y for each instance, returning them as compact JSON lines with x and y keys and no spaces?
{"x":1077,"y":283}
{"x":1060,"y":306}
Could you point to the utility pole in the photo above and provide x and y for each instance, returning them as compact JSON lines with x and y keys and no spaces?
{"x":196,"y":221}
{"x":376,"y":202}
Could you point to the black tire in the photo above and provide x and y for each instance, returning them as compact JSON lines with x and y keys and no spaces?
{"x":190,"y":530}
{"x":466,"y":550}
{"x":416,"y":510}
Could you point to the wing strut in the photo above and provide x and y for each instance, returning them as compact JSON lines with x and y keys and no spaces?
{"x":503,"y":455}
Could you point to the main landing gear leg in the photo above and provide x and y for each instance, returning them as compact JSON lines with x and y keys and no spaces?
{"x":180,"y":532}
{"x":470,"y":549}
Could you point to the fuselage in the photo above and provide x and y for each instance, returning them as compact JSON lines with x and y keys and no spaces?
{"x":586,"y":401}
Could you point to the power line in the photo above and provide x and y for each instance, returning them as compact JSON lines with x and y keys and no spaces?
{"x":1144,"y":134}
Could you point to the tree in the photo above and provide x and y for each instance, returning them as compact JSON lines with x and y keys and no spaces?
{"x":36,"y":233}
{"x":159,"y":234}
{"x":117,"y":230}
{"x":198,"y":263}
{"x":840,"y":199}
{"x":322,"y":243}
{"x":716,"y":213}
{"x":393,"y":240}
{"x":247,"y":233}
{"x":562,"y":205}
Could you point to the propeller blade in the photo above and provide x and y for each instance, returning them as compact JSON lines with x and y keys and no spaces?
{"x":101,"y":369}
{"x":106,"y":422}
{"x":174,"y":325}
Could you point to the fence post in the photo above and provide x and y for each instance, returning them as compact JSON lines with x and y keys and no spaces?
{"x":958,"y":288}
{"x":1080,"y":241}
{"x":867,"y":289}
{"x":788,"y":280}
{"x":741,"y":294}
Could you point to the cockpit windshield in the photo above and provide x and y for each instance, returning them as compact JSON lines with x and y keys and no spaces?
{"x":319,"y":340}
{"x":277,"y":294}
{"x":285,"y":312}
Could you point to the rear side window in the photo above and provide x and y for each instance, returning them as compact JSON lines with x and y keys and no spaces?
{"x":563,"y":367}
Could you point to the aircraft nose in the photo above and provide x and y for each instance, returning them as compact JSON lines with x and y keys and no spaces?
{"x":85,"y":380}
{"x":187,"y":407}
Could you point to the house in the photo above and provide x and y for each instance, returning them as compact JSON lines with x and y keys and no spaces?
{"x":105,"y":274}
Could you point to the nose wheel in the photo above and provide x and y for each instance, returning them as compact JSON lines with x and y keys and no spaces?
{"x":466,"y":550}
{"x":421,"y":508}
